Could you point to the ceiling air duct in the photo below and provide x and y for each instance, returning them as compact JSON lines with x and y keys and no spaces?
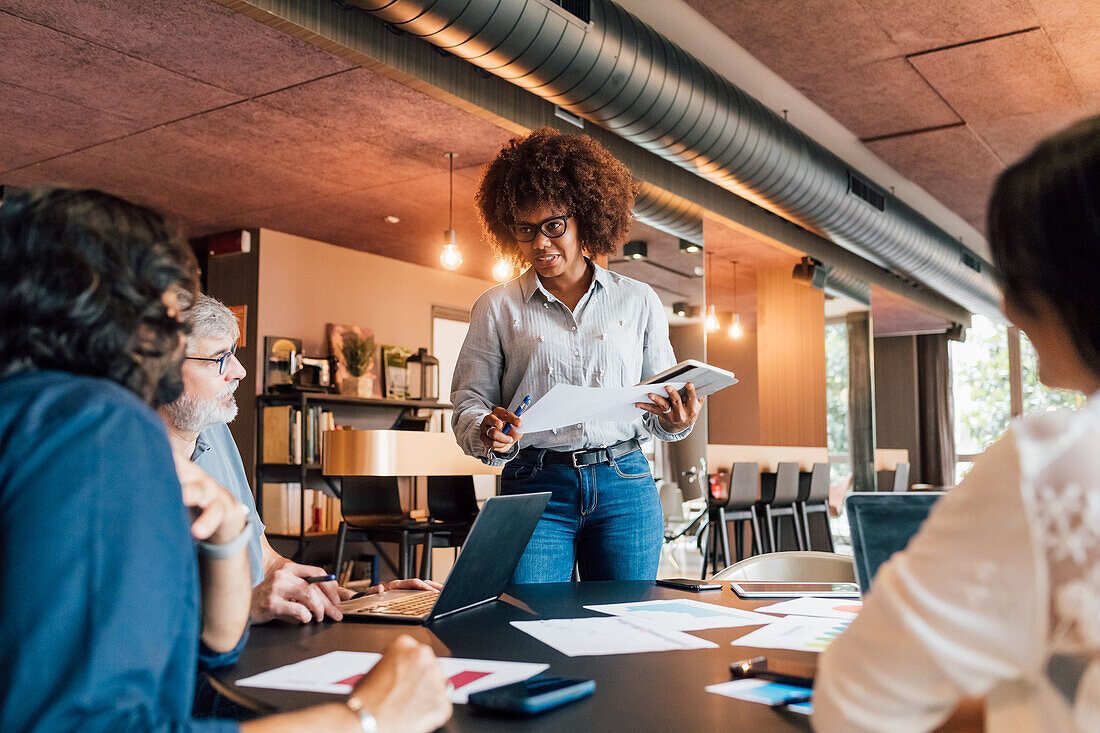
{"x":624,"y":76}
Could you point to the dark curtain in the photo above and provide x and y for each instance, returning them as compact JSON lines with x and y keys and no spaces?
{"x":937,"y":424}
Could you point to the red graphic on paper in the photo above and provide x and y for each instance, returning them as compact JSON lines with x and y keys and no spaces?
{"x":465,"y":677}
{"x":848,"y":609}
{"x":350,"y":681}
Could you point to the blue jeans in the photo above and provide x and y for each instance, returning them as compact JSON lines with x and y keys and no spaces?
{"x":605,"y":517}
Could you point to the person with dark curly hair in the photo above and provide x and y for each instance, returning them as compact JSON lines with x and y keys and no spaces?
{"x":122,"y":569}
{"x":991,"y":615}
{"x":550,"y":201}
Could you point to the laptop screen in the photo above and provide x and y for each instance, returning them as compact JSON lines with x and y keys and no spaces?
{"x":882,"y":524}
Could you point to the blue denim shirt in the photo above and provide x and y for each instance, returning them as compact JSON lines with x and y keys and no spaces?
{"x":522,"y":340}
{"x":99,"y":586}
{"x":217,"y":454}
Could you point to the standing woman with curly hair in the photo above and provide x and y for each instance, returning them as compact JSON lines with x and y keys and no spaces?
{"x":547,"y":201}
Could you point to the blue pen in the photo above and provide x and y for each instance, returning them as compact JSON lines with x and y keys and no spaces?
{"x":519,"y":410}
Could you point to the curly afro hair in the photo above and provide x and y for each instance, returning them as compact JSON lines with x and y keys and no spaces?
{"x":573,"y":172}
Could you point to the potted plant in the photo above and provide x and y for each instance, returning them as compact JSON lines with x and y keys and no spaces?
{"x":358,"y":352}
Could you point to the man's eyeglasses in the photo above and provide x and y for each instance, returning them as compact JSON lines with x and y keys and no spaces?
{"x":552,"y":228}
{"x":219,"y":360}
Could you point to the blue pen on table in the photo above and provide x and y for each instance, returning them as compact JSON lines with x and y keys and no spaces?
{"x":320,"y":578}
{"x":522,"y":406}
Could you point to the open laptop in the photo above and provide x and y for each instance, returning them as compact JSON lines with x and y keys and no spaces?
{"x":480,"y":573}
{"x":882,"y":523}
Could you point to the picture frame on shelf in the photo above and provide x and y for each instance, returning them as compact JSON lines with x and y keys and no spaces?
{"x":281,"y":360}
{"x":357,"y":344}
{"x":393,"y":372}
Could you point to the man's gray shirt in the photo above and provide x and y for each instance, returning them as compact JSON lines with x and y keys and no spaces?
{"x":217,"y":454}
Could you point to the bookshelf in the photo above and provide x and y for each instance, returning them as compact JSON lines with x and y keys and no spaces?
{"x":304,"y":469}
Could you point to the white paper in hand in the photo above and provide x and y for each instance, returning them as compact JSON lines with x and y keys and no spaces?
{"x":568,"y":404}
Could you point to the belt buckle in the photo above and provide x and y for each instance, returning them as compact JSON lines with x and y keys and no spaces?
{"x":573,"y":458}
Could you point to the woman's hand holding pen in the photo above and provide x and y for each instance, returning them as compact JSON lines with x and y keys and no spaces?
{"x":492,"y":430}
{"x":673,"y":413}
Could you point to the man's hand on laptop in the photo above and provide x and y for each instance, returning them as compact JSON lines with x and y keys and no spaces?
{"x":409,"y":584}
{"x":284,"y":594}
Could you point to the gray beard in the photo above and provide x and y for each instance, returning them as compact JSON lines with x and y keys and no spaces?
{"x":195,"y":415}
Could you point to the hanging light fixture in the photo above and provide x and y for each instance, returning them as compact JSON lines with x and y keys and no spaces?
{"x":450,"y":257}
{"x":735,"y":330}
{"x":502,"y":270}
{"x":712,"y":322}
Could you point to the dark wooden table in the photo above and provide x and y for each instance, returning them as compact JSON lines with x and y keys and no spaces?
{"x":658,"y":691}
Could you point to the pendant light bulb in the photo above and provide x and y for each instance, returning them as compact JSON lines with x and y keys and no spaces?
{"x":712,"y":319}
{"x":450,"y":257}
{"x":502,"y":270}
{"x":735,"y":330}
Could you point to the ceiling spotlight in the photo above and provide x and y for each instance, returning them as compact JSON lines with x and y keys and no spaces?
{"x":699,"y":271}
{"x":391,"y":219}
{"x":680,"y":308}
{"x":811,"y":272}
{"x":687,"y":245}
{"x":502,"y":270}
{"x":636,"y":249}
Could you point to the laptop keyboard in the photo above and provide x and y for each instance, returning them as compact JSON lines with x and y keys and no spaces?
{"x":418,"y":604}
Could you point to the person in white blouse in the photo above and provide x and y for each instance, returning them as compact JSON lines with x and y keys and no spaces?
{"x":546,"y":201}
{"x":998,"y":595}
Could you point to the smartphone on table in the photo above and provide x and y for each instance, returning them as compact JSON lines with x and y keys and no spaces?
{"x":533,"y":696}
{"x":800,"y":674}
{"x":689,"y":584}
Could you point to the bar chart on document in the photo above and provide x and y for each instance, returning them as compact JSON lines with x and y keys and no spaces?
{"x":337,"y":672}
{"x":798,"y":633}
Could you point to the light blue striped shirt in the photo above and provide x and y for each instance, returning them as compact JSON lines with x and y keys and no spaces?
{"x":522,"y":340}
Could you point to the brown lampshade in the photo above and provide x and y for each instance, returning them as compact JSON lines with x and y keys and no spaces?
{"x":397,"y":453}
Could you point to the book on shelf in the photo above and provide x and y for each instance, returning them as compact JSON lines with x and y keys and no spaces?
{"x":283,"y":504}
{"x":284,"y":442}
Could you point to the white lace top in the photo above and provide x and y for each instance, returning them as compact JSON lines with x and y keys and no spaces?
{"x":998,"y":595}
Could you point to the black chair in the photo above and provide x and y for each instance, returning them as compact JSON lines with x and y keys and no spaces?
{"x":452,"y":509}
{"x":896,"y":480}
{"x":815,"y":488}
{"x":371,"y":509}
{"x":743,"y":493}
{"x":779,"y":493}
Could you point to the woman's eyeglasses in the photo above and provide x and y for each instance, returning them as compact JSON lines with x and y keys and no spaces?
{"x":219,"y":360}
{"x":552,"y":228}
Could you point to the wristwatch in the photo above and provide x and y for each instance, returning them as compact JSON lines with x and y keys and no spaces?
{"x":366,"y":720}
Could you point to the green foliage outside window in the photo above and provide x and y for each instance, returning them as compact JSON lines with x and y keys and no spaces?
{"x":836,"y":387}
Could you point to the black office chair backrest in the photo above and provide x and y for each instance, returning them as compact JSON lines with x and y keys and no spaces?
{"x":744,"y":489}
{"x":786,"y":484}
{"x":373,"y":497}
{"x":816,"y":484}
{"x":452,"y":498}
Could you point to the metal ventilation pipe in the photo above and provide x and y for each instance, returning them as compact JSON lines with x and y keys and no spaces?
{"x":621,"y":74}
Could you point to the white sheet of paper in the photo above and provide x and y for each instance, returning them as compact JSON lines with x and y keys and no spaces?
{"x":337,"y":672}
{"x":587,"y":637}
{"x":568,"y":404}
{"x":683,"y":614}
{"x":820,"y":607}
{"x":764,"y":692}
{"x":800,"y":633}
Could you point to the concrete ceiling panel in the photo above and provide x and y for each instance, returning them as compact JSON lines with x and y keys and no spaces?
{"x":87,"y":74}
{"x":1074,"y":29}
{"x":1011,"y":138}
{"x":1013,"y":75}
{"x":199,"y":39}
{"x":56,"y":123}
{"x":879,"y":98}
{"x":929,"y":24}
{"x":951,"y":164}
{"x":17,"y":151}
{"x":378,"y":109}
{"x":793,"y":35}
